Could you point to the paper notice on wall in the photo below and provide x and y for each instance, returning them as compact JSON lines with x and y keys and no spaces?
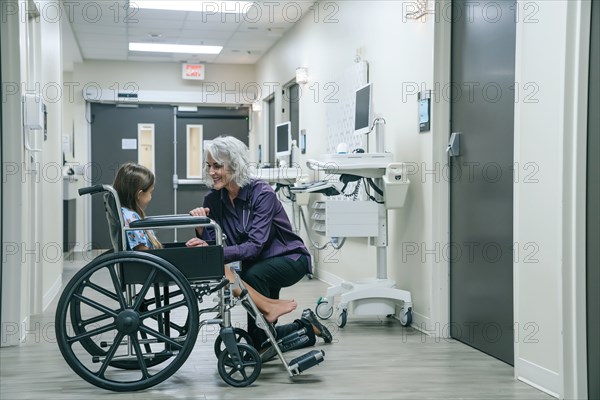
{"x":66,"y":144}
{"x":128,"y":144}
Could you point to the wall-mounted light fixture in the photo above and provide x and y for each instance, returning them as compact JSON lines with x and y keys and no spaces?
{"x":257,"y":106}
{"x":416,"y":9}
{"x":301,"y":75}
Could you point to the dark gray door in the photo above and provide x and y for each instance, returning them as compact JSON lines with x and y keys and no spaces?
{"x":481,"y":206}
{"x":215,"y":122}
{"x":593,"y":210}
{"x":110,"y":124}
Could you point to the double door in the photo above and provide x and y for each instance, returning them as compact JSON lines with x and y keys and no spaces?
{"x":167,"y":141}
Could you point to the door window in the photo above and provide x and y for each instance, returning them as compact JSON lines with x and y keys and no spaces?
{"x":194,"y":151}
{"x":146,"y":145}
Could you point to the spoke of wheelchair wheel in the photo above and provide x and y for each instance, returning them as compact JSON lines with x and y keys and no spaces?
{"x":160,"y":336}
{"x":161,"y":298}
{"x":117,"y":285}
{"x":178,"y":328}
{"x":93,"y":332}
{"x":110,"y":354}
{"x":162,"y":309}
{"x":95,"y":305}
{"x":140,"y":296}
{"x":102,"y":290}
{"x":93,"y":320}
{"x":173,"y":325}
{"x":139,"y":355}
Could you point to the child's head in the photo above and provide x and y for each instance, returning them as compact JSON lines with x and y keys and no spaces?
{"x":134,"y":184}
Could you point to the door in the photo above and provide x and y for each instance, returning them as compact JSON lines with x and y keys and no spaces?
{"x":592,"y":211}
{"x":212,"y":122}
{"x":117,"y":138}
{"x":481,"y":177}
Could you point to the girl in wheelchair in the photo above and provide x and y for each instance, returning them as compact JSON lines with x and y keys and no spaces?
{"x":134,"y":184}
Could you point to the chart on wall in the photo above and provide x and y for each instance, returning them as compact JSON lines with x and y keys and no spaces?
{"x":340,"y":114}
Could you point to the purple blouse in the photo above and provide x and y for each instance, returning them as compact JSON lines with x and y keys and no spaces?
{"x":257,"y":227}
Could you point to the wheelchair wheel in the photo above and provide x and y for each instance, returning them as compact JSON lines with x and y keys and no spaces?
{"x":241,"y":336}
{"x":243,"y":374}
{"x":94,"y":313}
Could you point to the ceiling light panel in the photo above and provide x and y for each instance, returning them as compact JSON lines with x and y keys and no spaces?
{"x":209,"y":7}
{"x":174,"y":48}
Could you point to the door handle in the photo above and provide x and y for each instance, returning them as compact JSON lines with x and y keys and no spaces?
{"x":453,"y":148}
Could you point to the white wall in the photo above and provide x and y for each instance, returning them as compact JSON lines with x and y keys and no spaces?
{"x":14,"y":311}
{"x":52,"y":183}
{"x":400,"y":56}
{"x":550,"y":131}
{"x":32,"y":192}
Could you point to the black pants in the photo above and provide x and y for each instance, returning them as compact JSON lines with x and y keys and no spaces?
{"x":267,"y":277}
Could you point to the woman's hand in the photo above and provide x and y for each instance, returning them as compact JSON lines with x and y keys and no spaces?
{"x":200,"y":212}
{"x":196,"y":242}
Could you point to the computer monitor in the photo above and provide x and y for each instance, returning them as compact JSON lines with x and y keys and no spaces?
{"x":283,"y":139}
{"x":362,"y":110}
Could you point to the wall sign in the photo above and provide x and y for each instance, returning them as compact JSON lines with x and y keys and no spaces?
{"x":193,"y":71}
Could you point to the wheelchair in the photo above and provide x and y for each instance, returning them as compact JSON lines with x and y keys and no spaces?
{"x":128,"y":320}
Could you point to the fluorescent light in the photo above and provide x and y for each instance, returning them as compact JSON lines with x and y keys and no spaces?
{"x":230,"y":7}
{"x":174,"y":48}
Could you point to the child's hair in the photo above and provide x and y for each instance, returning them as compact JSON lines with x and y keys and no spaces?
{"x":130,"y":179}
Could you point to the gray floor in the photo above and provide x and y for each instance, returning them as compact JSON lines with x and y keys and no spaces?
{"x":376,"y":359}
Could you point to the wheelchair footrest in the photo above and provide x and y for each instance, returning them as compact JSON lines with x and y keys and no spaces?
{"x":293,"y":341}
{"x":306,"y":361}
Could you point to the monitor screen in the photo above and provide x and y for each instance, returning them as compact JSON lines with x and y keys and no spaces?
{"x":362,"y":110}
{"x":283,"y":139}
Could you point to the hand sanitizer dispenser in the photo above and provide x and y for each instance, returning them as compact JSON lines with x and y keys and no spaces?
{"x":395,"y":185}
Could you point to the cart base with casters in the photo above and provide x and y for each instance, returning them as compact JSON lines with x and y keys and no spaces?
{"x":367,"y":298}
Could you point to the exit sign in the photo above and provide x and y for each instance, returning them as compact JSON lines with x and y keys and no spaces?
{"x":193,"y":71}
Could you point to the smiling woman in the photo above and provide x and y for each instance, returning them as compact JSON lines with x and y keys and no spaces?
{"x":259,"y":233}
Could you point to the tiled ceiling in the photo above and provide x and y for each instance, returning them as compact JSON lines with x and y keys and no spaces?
{"x":103,"y":30}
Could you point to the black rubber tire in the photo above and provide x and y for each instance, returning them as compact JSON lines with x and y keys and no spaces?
{"x":125,"y":320}
{"x":405,"y":317}
{"x":241,"y":336}
{"x":247,"y":373}
{"x":342,"y":319}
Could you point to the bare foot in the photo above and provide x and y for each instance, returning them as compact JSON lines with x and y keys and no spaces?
{"x":279,"y":308}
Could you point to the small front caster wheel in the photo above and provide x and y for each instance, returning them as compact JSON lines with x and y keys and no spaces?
{"x":241,"y":336}
{"x":405,"y":316}
{"x":324,"y":310}
{"x":243,"y":374}
{"x":342,"y":318}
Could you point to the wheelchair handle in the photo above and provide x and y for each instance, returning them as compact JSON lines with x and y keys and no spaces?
{"x":91,"y":190}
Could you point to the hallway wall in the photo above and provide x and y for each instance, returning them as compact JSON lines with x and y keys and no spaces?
{"x":400,"y":60}
{"x":32,"y":202}
{"x":549,"y":195}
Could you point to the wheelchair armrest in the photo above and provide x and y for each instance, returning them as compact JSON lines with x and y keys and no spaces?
{"x":169,"y":220}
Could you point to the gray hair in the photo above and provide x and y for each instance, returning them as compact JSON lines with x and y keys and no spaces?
{"x":230,"y":152}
